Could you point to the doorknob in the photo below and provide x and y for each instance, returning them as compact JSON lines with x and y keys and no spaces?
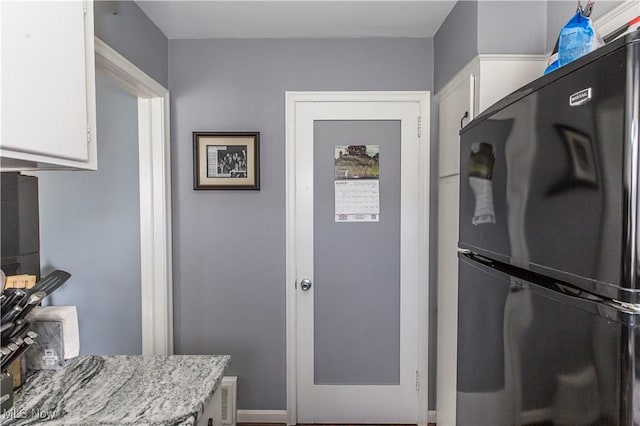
{"x":305,"y":284}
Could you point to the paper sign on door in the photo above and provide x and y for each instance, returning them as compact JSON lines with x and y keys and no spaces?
{"x":357,"y":185}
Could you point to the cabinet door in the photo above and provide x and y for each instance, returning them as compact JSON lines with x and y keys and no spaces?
{"x":501,"y":77}
{"x":448,"y":206}
{"x":212,"y":415}
{"x":45,"y":79}
{"x":453,"y":108}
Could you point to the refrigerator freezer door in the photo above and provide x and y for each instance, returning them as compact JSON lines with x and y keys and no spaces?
{"x":539,"y":354}
{"x":545,"y":183}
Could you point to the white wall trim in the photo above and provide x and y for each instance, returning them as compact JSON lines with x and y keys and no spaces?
{"x":262,"y":416}
{"x":511,"y":57}
{"x":423,"y":253}
{"x":125,"y":73}
{"x":291,"y":99}
{"x":617,"y":17}
{"x":473,"y":67}
{"x":155,"y":196}
{"x":290,"y":258}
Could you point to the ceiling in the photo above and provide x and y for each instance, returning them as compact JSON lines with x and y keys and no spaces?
{"x":299,"y":19}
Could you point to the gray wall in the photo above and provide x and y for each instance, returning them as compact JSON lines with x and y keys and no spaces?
{"x":90,"y":227}
{"x":125,"y":28}
{"x":456,"y":42}
{"x":229,"y":246}
{"x":512,"y":27}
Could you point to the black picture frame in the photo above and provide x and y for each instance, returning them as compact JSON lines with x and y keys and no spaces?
{"x":226,"y":161}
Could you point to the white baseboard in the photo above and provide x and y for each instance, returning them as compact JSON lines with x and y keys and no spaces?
{"x":262,"y":416}
{"x":280,"y":416}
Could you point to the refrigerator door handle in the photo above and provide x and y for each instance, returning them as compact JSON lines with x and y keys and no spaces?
{"x":617,"y":311}
{"x":632,"y":308}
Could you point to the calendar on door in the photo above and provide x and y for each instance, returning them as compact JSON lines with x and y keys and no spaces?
{"x":357,"y":183}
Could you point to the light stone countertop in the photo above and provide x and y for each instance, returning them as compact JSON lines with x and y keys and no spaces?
{"x":120,"y":390}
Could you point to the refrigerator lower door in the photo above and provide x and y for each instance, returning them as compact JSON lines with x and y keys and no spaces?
{"x":533,"y":353}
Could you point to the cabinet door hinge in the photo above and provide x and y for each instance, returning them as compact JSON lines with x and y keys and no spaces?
{"x":88,"y":134}
{"x":417,"y":381}
{"x":84,"y":6}
{"x":419,"y":126}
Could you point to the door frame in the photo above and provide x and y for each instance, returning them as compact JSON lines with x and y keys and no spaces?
{"x":423,"y":99}
{"x":155,"y":196}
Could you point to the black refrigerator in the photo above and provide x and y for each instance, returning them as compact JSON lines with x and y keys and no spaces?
{"x":549,"y":239}
{"x":19,"y":224}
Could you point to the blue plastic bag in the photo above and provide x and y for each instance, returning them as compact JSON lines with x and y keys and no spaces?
{"x":577,"y":38}
{"x":552,"y":66}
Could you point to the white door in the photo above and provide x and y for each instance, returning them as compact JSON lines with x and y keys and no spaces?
{"x":358,"y":316}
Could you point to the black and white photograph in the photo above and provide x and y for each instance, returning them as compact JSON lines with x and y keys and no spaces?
{"x":226,"y":160}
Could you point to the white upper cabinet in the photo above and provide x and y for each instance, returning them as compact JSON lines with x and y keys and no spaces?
{"x":48,"y":117}
{"x":502,"y":74}
{"x":479,"y":85}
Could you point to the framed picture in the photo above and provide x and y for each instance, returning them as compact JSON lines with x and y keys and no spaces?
{"x":226,"y":160}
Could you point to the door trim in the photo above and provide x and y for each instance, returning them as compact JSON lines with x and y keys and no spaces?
{"x":424,"y":101}
{"x":155,"y":196}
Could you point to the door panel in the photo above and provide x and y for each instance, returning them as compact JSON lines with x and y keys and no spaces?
{"x":357,"y":265}
{"x":357,"y":353}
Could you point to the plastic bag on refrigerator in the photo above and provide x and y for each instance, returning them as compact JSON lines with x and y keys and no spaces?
{"x":576,"y":39}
